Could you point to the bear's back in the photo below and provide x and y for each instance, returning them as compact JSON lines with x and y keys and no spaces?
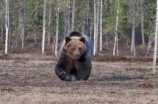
{"x":88,"y":45}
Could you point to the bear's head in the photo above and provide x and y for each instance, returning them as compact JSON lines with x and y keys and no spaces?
{"x":75,"y":46}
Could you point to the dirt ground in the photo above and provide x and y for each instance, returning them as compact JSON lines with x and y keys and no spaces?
{"x":30,"y":79}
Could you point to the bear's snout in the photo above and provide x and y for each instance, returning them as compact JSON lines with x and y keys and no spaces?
{"x":77,"y":56}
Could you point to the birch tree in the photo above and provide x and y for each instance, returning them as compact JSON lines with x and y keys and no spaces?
{"x":133,"y":29}
{"x":96,"y":25}
{"x":21,"y":28}
{"x":6,"y":26}
{"x":49,"y":22}
{"x":23,"y":25}
{"x":57,"y":33}
{"x":155,"y":46}
{"x":73,"y":15}
{"x":101,"y":20}
{"x":116,"y":34}
{"x":44,"y":23}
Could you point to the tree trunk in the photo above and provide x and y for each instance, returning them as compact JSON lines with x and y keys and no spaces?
{"x":151,"y":40}
{"x":49,"y":22}
{"x":34,"y":34}
{"x":73,"y":15}
{"x":2,"y":31}
{"x":91,"y":26}
{"x":57,"y":26}
{"x":53,"y":45}
{"x":9,"y":36}
{"x":97,"y":28}
{"x":68,"y":17}
{"x":16,"y":40}
{"x":23,"y":27}
{"x":87,"y":19}
{"x":7,"y":26}
{"x":37,"y":3}
{"x":83,"y":24}
{"x":101,"y":20}
{"x":34,"y":28}
{"x":65,"y":25}
{"x":155,"y":46}
{"x":95,"y":25}
{"x":133,"y":32}
{"x":133,"y":36}
{"x":106,"y":40}
{"x":17,"y":37}
{"x":44,"y":25}
{"x":22,"y":36}
{"x":116,"y":34}
{"x":142,"y":23}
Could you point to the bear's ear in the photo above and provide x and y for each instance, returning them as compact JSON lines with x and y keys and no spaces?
{"x":82,"y":39}
{"x":67,"y":39}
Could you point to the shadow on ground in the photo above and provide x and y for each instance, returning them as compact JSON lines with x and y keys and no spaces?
{"x":118,"y":79}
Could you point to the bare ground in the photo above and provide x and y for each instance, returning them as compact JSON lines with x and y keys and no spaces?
{"x":30,"y":79}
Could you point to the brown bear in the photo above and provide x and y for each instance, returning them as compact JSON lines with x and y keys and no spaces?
{"x":75,"y":57}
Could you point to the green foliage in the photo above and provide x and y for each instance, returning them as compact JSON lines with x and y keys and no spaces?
{"x":34,"y":21}
{"x":141,"y":46}
{"x":150,"y":14}
{"x":80,"y":13}
{"x":109,"y":14}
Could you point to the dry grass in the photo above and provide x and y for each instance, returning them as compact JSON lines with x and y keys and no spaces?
{"x":110,"y":58}
{"x":30,"y":79}
{"x":139,"y":69}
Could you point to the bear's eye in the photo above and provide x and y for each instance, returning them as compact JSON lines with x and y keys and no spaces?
{"x":80,"y":48}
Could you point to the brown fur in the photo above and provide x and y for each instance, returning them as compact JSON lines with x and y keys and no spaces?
{"x":74,"y":48}
{"x":74,"y":63}
{"x":75,"y":67}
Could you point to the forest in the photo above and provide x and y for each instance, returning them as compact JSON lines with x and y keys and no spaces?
{"x":27,"y":19}
{"x":123,"y":33}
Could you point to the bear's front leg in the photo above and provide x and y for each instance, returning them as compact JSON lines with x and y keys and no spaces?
{"x":63,"y":75}
{"x":84,"y":73}
{"x":83,"y":69}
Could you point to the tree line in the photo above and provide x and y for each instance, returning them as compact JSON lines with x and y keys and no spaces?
{"x":103,"y":21}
